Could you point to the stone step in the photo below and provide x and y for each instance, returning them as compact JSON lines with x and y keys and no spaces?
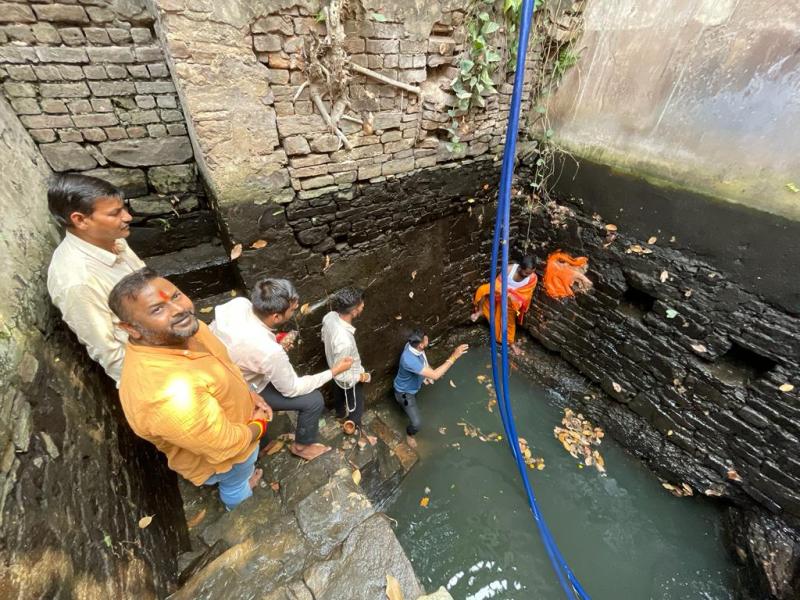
{"x":200,"y":271}
{"x":309,"y":531}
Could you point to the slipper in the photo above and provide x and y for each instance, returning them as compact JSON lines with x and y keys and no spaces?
{"x":315,"y":457}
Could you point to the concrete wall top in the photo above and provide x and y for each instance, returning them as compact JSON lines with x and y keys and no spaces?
{"x":698,"y":93}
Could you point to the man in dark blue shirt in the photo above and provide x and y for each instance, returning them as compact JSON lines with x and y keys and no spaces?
{"x":413,"y":371}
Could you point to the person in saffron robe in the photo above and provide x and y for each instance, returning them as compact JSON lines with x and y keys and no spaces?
{"x":521,"y":284}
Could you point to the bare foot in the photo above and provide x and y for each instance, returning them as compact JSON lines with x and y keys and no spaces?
{"x":411,"y":441}
{"x":308,"y":451}
{"x":255,"y":478}
{"x":474,"y":317}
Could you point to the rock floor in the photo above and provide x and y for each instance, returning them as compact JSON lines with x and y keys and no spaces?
{"x":311,"y":531}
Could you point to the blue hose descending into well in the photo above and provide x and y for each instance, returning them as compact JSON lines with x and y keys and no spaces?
{"x":569,"y":582}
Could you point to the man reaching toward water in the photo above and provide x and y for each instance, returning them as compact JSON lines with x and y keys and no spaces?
{"x":247,"y":328}
{"x":413,"y":371}
{"x":180,"y":390}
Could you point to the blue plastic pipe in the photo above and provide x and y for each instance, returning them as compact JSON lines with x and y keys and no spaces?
{"x":566,"y":578}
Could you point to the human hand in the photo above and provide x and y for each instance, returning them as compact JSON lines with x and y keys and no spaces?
{"x":343,"y":365}
{"x":427,"y":381}
{"x":459,"y":351}
{"x":262,"y":413}
{"x":288,"y":340}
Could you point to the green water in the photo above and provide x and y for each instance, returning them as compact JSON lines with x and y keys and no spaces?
{"x":625,"y":537}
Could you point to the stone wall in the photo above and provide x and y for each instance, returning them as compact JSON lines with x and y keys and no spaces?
{"x":74,"y":480}
{"x":89,"y":82}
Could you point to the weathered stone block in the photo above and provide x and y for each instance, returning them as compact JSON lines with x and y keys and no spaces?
{"x":46,"y":121}
{"x":43,"y":136}
{"x":132,"y":182}
{"x":171,"y":116}
{"x":402,"y":165}
{"x":94,"y":134}
{"x":61,"y":13}
{"x":316,"y":182}
{"x":155,"y":87}
{"x":17,"y":55}
{"x":145,"y":102}
{"x":25,"y":106}
{"x":19,"y":90}
{"x":45,"y":33}
{"x":138,"y":117}
{"x":95,"y":72}
{"x":99,"y":15}
{"x":70,"y":135}
{"x":267,"y":43}
{"x":148,"y":152}
{"x":116,"y":71}
{"x":112,"y":88}
{"x":62,"y":55}
{"x":16,"y":13}
{"x":141,"y":35}
{"x":383,"y":46}
{"x":97,"y":35}
{"x":119,"y":36}
{"x":294,"y":125}
{"x":101,"y":105}
{"x":295,"y":145}
{"x":166,"y":101}
{"x":149,"y":54}
{"x":176,"y":129}
{"x":110,"y":54}
{"x":72,"y":36}
{"x":21,"y":72}
{"x":384,"y":121}
{"x":95,"y":120}
{"x":158,"y":70}
{"x":325,"y":143}
{"x":157,"y":130}
{"x":64,"y":90}
{"x":275,"y":24}
{"x":172,"y":179}
{"x":67,"y":157}
{"x":116,"y":133}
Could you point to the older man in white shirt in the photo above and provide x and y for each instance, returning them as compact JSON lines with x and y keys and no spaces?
{"x":90,"y":260}
{"x":247,"y":328}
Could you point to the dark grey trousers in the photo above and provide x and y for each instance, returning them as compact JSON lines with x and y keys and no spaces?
{"x":308,"y":406}
{"x":408,"y":402}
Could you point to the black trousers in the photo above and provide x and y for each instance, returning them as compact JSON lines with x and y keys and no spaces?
{"x":351,"y":396}
{"x":309,"y":407}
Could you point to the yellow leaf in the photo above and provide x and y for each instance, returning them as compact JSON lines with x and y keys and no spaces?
{"x":424,"y":501}
{"x":670,"y":432}
{"x":393,"y":591}
{"x":733,"y":475}
{"x":452,"y":384}
{"x":233,"y":293}
{"x":443,"y":430}
{"x":786,"y":387}
{"x":197,"y":519}
{"x":236,"y":251}
{"x":652,"y":240}
{"x":258,"y":244}
{"x":275,"y":447}
{"x":145,"y":521}
{"x":413,"y":275}
{"x":356,"y":476}
{"x":611,"y":227}
{"x":304,"y":309}
{"x":207,"y":309}
{"x":664,"y":276}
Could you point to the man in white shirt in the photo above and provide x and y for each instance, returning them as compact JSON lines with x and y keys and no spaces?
{"x":247,"y":328}
{"x":338,"y":336}
{"x":90,"y":260}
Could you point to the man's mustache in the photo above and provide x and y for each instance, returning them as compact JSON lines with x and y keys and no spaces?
{"x":178,"y":318}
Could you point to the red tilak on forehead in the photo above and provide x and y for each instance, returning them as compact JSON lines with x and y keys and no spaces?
{"x":163,"y":295}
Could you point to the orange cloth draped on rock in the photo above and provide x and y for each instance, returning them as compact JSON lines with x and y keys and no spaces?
{"x":564,"y":274}
{"x":519,"y":300}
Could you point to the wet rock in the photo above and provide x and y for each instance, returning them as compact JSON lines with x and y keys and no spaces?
{"x":132,"y":182}
{"x":172,"y":179}
{"x":148,"y":151}
{"x":359,"y":570}
{"x":67,"y":157}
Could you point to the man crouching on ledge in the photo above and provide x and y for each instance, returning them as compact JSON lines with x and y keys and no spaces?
{"x":180,"y":390}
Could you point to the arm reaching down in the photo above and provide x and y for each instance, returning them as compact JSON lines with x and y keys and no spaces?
{"x":434,"y":374}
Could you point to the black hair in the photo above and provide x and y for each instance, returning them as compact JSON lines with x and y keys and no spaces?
{"x":415,"y":337}
{"x":272,"y":296}
{"x":128,"y":288}
{"x":346,"y":299}
{"x":72,"y":192}
{"x":527,"y":263}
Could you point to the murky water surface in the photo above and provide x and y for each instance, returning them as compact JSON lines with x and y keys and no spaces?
{"x":624,"y":535}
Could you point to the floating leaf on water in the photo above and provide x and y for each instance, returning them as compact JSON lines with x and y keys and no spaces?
{"x":617,"y":387}
{"x":356,"y":476}
{"x":652,"y":240}
{"x":786,"y":387}
{"x":688,"y":293}
{"x":410,"y":294}
{"x":197,"y":519}
{"x":304,"y":309}
{"x":611,"y":227}
{"x":145,"y":521}
{"x":393,"y":590}
{"x":452,"y":384}
{"x":664,"y":276}
{"x":733,"y":475}
{"x":481,"y":378}
{"x":424,"y":501}
{"x":207,"y":309}
{"x":236,"y":251}
{"x":670,"y":432}
{"x":413,"y":275}
{"x":699,"y":348}
{"x":671,"y":313}
{"x":470,"y":200}
{"x":443,"y":430}
{"x":258,"y":244}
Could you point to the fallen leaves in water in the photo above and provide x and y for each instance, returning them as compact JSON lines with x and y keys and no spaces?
{"x":145,"y":521}
{"x":533,"y":462}
{"x":304,"y":310}
{"x":715,"y":491}
{"x":699,"y":348}
{"x":236,"y":251}
{"x":197,"y":519}
{"x":207,"y":309}
{"x":356,"y":476}
{"x":680,"y":491}
{"x":481,"y":378}
{"x":671,"y":313}
{"x":413,"y":275}
{"x":452,"y":384}
{"x":786,"y":387}
{"x":393,"y":591}
{"x":637,"y":249}
{"x":617,"y":387}
{"x":424,"y":501}
{"x":443,"y":430}
{"x":411,"y":294}
{"x":259,"y":244}
{"x":733,"y":475}
{"x":611,"y":227}
{"x":652,"y":240}
{"x":664,"y":276}
{"x":578,"y":436}
{"x":398,"y":317}
{"x":474,"y":432}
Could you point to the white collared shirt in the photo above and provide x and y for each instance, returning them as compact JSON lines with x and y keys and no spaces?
{"x":340,"y":342}
{"x":79,"y":280}
{"x":255,"y":350}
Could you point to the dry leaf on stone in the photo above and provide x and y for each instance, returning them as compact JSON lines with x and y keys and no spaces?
{"x":786,"y":387}
{"x":356,"y":476}
{"x":207,"y":309}
{"x":699,"y":348}
{"x":145,"y":521}
{"x":664,"y":276}
{"x":424,"y":501}
{"x":259,"y":244}
{"x":236,"y":251}
{"x":652,"y":240}
{"x":197,"y":519}
{"x":393,"y":591}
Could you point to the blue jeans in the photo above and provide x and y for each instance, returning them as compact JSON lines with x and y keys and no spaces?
{"x":233,"y":485}
{"x":408,"y":402}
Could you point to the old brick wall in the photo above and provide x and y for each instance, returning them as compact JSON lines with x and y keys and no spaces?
{"x":74,"y":480}
{"x":89,"y":82}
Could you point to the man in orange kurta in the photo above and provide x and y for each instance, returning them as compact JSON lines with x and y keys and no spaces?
{"x":521,"y":284}
{"x":180,"y":390}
